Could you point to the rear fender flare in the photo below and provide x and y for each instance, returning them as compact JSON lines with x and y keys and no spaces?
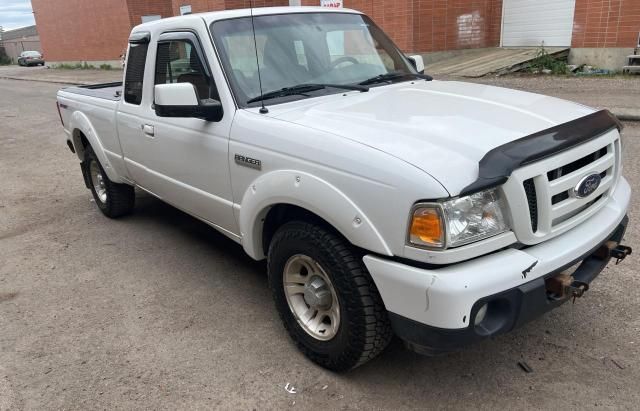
{"x":80,"y":123}
{"x":313,"y":194}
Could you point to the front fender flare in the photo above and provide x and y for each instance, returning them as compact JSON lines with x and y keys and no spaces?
{"x":313,"y":194}
{"x":80,"y":122}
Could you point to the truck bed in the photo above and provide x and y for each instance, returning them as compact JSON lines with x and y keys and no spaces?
{"x":107,"y":91}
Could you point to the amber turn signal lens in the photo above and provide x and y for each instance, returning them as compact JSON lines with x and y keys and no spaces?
{"x":426,"y":228}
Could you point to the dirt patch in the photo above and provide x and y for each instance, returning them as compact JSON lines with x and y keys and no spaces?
{"x":4,"y":297}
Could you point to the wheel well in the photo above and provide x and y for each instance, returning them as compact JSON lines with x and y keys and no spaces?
{"x":80,"y":142}
{"x":281,"y":214}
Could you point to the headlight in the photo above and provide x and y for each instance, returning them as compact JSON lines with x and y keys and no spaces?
{"x":458,"y":221}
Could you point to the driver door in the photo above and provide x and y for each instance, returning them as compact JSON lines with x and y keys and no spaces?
{"x":184,"y":161}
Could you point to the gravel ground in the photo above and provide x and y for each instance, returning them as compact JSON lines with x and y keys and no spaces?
{"x":620,"y":93}
{"x":159,"y":311}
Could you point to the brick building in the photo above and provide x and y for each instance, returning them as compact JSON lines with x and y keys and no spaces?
{"x":601,"y":31}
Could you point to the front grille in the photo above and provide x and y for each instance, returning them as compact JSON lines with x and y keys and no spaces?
{"x":546,"y":188}
{"x":532,"y":200}
{"x":581,"y":168}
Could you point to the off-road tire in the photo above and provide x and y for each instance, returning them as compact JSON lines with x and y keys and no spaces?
{"x":364,"y":330}
{"x":120,"y":197}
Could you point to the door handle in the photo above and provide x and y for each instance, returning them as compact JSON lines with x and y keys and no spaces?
{"x":148,"y":129}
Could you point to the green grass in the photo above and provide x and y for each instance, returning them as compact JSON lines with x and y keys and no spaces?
{"x":83,"y":66}
{"x":77,"y":66}
{"x":545,"y":61}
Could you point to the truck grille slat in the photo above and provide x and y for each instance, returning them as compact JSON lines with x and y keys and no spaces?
{"x":576,"y":165}
{"x":574,"y":213}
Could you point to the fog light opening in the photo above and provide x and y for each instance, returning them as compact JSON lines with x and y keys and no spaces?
{"x":493,"y":316}
{"x":482,"y":312}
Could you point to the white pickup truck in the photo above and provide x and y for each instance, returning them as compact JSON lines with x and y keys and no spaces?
{"x":385,"y":203}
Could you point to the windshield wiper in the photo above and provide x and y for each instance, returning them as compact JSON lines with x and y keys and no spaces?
{"x":305,"y":88}
{"x":387,"y":77}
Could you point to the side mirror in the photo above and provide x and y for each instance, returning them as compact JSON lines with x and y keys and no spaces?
{"x":417,"y":62}
{"x":181,"y":100}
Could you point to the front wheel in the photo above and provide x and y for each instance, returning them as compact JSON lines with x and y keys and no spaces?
{"x":114,"y":200}
{"x":326,"y":299}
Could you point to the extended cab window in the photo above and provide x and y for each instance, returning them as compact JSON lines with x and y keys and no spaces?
{"x":177,"y":61}
{"x":135,"y":73}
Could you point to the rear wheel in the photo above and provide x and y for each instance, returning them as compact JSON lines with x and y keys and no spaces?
{"x":114,"y":200}
{"x":325,"y":297}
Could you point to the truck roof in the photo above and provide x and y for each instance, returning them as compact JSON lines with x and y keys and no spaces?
{"x":260,"y":11}
{"x":210,"y":17}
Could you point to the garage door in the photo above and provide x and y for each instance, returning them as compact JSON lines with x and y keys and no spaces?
{"x":532,"y":22}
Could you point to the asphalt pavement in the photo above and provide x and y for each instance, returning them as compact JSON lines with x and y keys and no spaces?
{"x":159,"y":311}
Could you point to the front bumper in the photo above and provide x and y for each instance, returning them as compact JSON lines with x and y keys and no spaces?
{"x":434,"y":310}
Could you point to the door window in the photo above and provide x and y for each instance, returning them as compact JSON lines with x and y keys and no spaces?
{"x":177,"y":61}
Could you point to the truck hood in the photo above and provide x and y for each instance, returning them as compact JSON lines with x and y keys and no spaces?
{"x":442,"y":127}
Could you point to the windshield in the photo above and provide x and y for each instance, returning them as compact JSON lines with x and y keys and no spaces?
{"x":304,"y":48}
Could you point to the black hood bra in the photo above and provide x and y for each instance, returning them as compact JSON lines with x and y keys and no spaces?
{"x":497,"y":165}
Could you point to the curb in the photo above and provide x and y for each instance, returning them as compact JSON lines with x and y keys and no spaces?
{"x":71,"y":83}
{"x":627,"y":116}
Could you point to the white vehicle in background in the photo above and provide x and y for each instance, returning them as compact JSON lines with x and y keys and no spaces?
{"x":443,"y":212}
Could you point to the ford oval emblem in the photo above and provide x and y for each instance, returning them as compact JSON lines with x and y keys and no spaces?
{"x":587,"y":186}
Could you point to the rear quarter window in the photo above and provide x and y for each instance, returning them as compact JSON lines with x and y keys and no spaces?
{"x":134,"y":76}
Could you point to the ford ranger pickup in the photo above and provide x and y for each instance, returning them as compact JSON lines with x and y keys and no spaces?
{"x":385,"y":202}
